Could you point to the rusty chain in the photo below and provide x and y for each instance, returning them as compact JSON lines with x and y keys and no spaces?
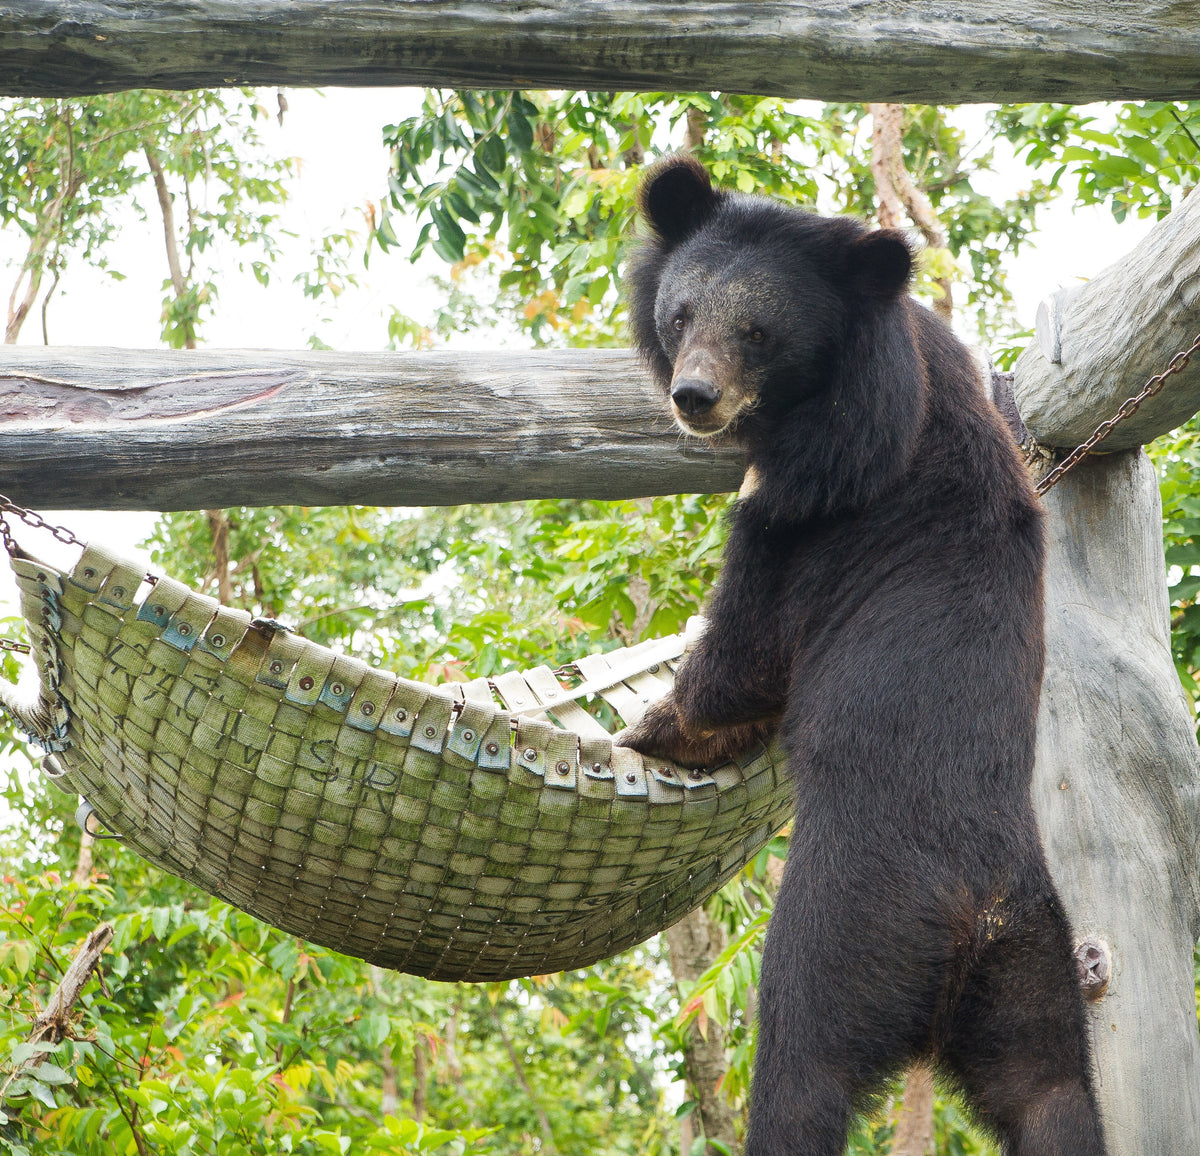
{"x":1128,"y":408}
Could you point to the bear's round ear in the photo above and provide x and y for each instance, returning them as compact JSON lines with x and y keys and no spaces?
{"x":677,"y":197}
{"x":881,"y":263}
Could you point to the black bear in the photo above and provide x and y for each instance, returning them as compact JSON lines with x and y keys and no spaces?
{"x":880,"y":609}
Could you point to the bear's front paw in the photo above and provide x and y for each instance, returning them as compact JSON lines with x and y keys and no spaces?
{"x":660,"y":734}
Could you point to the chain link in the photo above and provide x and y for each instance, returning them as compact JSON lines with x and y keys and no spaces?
{"x":1128,"y":408}
{"x":19,"y":647}
{"x":30,"y":519}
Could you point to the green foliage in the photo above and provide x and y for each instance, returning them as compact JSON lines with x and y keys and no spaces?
{"x":1177,"y":458}
{"x":62,"y":163}
{"x":1134,"y":157}
{"x":530,"y":196}
{"x":466,"y":591}
{"x":66,"y":166}
{"x":212,"y":161}
{"x":213,"y":1033}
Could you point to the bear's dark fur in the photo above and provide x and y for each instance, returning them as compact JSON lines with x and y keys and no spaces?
{"x":881,"y":609}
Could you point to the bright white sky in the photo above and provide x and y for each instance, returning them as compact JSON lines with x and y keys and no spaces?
{"x":343,"y":165}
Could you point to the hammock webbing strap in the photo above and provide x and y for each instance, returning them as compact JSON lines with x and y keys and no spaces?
{"x":428,"y":829}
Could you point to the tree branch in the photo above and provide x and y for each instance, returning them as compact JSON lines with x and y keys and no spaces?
{"x":894,"y":188}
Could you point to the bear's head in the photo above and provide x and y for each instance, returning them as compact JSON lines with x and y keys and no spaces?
{"x":742,"y":306}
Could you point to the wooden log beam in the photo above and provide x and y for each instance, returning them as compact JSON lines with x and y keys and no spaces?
{"x":1117,"y":793}
{"x":123,"y":429}
{"x":924,"y":51}
{"x":1098,"y":343}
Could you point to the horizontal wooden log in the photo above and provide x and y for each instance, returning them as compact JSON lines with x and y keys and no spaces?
{"x":1097,"y":344}
{"x":123,"y":429}
{"x":924,"y":51}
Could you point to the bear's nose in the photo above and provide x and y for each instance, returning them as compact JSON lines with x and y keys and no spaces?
{"x":694,"y":396}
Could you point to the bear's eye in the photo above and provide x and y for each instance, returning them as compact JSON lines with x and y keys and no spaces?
{"x":757,"y":336}
{"x":678,"y":324}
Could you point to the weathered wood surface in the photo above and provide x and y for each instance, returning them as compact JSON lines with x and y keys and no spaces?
{"x":924,"y":51}
{"x":1098,"y":343}
{"x":122,"y":429}
{"x":1117,"y":789}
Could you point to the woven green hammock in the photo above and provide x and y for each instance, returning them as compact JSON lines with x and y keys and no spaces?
{"x":474,"y":831}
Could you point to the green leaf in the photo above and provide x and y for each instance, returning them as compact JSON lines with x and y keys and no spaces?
{"x":51,"y":1074}
{"x":23,"y":955}
{"x":576,"y":202}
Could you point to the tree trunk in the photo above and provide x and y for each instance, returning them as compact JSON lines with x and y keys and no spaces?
{"x":389,"y":1099}
{"x":693,"y":945}
{"x":218,"y":523}
{"x":913,"y":1115}
{"x":167,"y":211}
{"x":548,"y":1145}
{"x":898,"y":195}
{"x":83,"y":865}
{"x":420,"y":1080}
{"x":1117,"y":788}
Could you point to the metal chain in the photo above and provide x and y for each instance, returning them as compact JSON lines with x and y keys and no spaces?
{"x":30,"y":519}
{"x":1128,"y":408}
{"x":19,"y":647}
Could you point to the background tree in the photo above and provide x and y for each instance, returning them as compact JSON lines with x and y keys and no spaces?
{"x":68,"y":167}
{"x":211,"y":1030}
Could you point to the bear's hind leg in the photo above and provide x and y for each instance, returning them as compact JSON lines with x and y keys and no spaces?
{"x":1017,"y":1044}
{"x":844,"y":1002}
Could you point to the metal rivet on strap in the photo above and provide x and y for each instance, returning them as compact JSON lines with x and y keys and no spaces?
{"x":118,"y":591}
{"x":597,"y":767}
{"x":563,"y":768}
{"x":306,"y":683}
{"x":430,"y":731}
{"x":530,"y":755}
{"x":696,"y":774}
{"x":185,"y":628}
{"x":400,"y":715}
{"x":218,"y":640}
{"x":468,"y":736}
{"x":88,"y":572}
{"x":337,"y":688}
{"x":630,"y":777}
{"x":367,"y":708}
{"x":492,"y":748}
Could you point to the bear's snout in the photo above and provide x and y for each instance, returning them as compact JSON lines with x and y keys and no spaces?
{"x":694,"y":396}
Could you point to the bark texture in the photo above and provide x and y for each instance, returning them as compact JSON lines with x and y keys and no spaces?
{"x":1117,"y":789}
{"x":1099,"y":342}
{"x":913,"y":1116}
{"x":694,"y":944}
{"x":921,"y":52}
{"x":897,"y":195}
{"x":176,"y":429}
